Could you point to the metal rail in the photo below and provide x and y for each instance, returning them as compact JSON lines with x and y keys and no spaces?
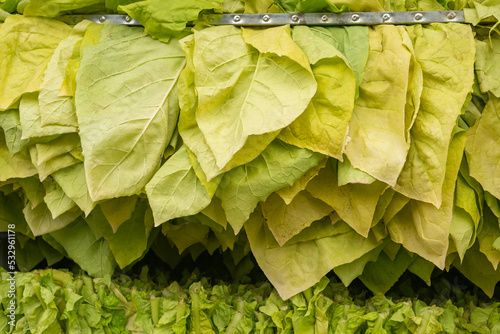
{"x":318,"y":19}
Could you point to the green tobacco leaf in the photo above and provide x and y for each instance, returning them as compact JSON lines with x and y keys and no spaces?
{"x":354,"y":203}
{"x":257,"y":6}
{"x":466,"y":216}
{"x":465,"y":173}
{"x":422,"y":268}
{"x":398,"y":202}
{"x":166,"y":251}
{"x":243,"y":187}
{"x":80,"y":244}
{"x":323,"y":228}
{"x":380,"y":275}
{"x":226,"y":239}
{"x":466,"y":198}
{"x":462,"y":231}
{"x":210,"y":186}
{"x":124,"y":141}
{"x":215,"y":212}
{"x":3,"y":16}
{"x":185,"y":234}
{"x":493,"y":204}
{"x":487,"y":58}
{"x":378,"y":144}
{"x":17,"y":166}
{"x":420,"y":226}
{"x":9,"y":5}
{"x":234,"y":6}
{"x":288,"y":193}
{"x":330,"y":5}
{"x":24,"y":59}
{"x":65,"y":143}
{"x":10,"y":122}
{"x":11,"y":212}
{"x":287,"y":220}
{"x":480,"y":11}
{"x":486,"y":238}
{"x":41,"y":222}
{"x":54,"y":244}
{"x":56,"y":109}
{"x":262,"y":65}
{"x":163,"y":20}
{"x":383,"y":203}
{"x":91,"y":37}
{"x":353,"y":42}
{"x":447,"y":83}
{"x":53,"y":165}
{"x":350,"y":271}
{"x":130,"y":240}
{"x":483,"y":148}
{"x":56,"y":200}
{"x":348,"y":174}
{"x":113,"y":4}
{"x":292,"y":269}
{"x":479,"y":270}
{"x":31,"y":123}
{"x":51,"y":254}
{"x":358,"y":6}
{"x":188,"y":127}
{"x":53,"y":8}
{"x":175,"y":190}
{"x":323,"y":126}
{"x":28,"y":256}
{"x":224,"y":236}
{"x":202,"y":158}
{"x":118,"y":210}
{"x":34,"y":190}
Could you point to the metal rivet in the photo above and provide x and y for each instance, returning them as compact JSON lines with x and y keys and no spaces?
{"x":237,"y":18}
{"x":102,"y":18}
{"x":386,"y":17}
{"x":324,"y":18}
{"x":128,"y":18}
{"x":418,"y":16}
{"x":266,"y":18}
{"x":452,"y":15}
{"x":212,"y":19}
{"x":295,"y":18}
{"x":355,"y":17}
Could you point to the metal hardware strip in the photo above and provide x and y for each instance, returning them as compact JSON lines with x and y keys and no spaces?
{"x":318,"y":19}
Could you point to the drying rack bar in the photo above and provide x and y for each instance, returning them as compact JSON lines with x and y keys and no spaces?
{"x":316,"y":19}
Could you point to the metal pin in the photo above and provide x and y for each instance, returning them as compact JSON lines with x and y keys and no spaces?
{"x":128,"y":18}
{"x":324,"y":18}
{"x":266,"y":18}
{"x":295,"y":18}
{"x":355,"y":17}
{"x":452,"y":15}
{"x":237,"y":18}
{"x":212,"y":19}
{"x":102,"y":18}
{"x":386,"y":17}
{"x":418,"y":16}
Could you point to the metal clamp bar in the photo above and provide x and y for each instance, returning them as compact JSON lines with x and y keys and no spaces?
{"x":116,"y":19}
{"x":330,"y":19}
{"x":321,"y":19}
